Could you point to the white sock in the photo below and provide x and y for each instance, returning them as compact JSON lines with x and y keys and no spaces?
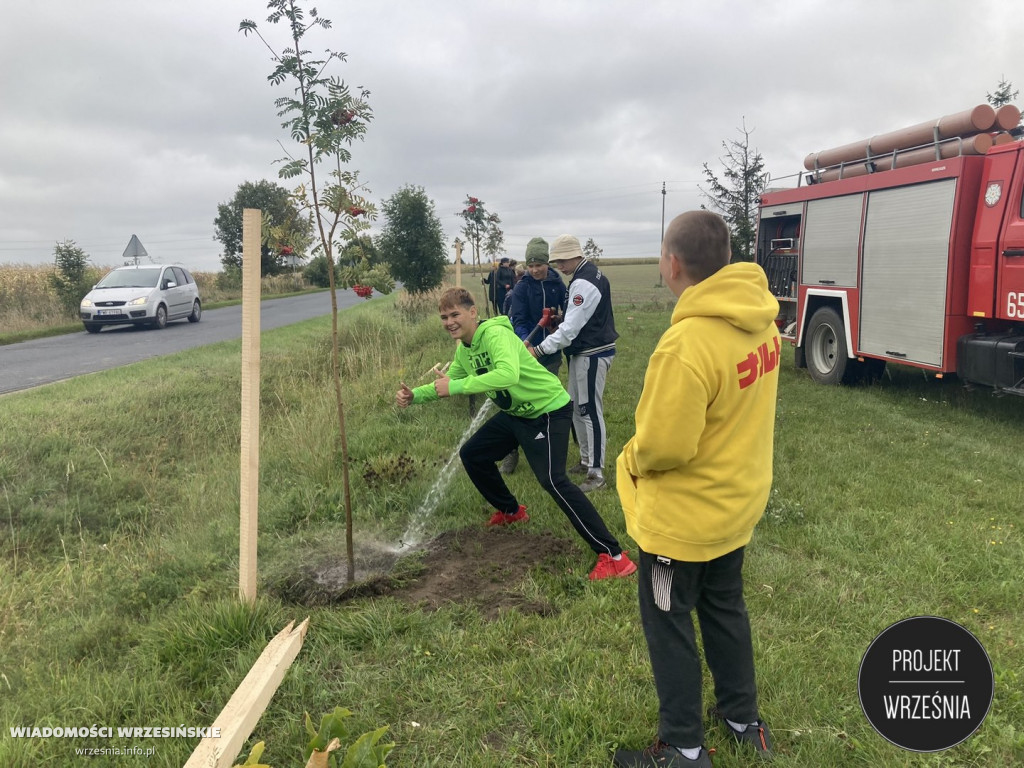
{"x":738,"y":727}
{"x":690,"y":754}
{"x":617,"y":557}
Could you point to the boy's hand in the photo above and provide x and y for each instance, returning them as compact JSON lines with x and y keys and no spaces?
{"x":439,"y":370}
{"x":441,"y":386}
{"x":531,"y":349}
{"x":403,"y":398}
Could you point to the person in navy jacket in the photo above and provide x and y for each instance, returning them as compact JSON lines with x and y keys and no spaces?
{"x":538,"y":289}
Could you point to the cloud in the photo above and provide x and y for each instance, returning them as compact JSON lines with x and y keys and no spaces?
{"x":565,"y":116}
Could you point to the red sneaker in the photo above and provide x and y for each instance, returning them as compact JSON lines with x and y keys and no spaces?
{"x":504,"y":518}
{"x":607,"y":567}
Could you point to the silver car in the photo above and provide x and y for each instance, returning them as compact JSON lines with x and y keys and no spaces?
{"x":151,"y":294}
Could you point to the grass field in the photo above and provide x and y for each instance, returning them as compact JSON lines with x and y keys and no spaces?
{"x":119,"y":541}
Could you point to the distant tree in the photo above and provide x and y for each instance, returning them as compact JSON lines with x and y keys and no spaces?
{"x":1004,"y":94}
{"x":315,"y":272}
{"x":591,"y":251}
{"x":737,"y":196}
{"x":278,"y":212}
{"x":494,"y":244}
{"x":412,"y":241}
{"x":482,"y":229}
{"x":360,"y":248}
{"x":70,"y":280}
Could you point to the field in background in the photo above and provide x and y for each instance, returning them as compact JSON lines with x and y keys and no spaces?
{"x":119,"y":540}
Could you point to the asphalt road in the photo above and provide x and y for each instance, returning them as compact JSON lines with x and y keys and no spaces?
{"x":42,"y":361}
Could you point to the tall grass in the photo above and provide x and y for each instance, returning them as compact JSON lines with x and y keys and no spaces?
{"x":119,"y":540}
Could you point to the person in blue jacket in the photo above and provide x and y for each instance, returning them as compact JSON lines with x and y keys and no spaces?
{"x":538,"y":289}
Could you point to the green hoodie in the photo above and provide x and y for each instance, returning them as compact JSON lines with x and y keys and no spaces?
{"x":694,"y":479}
{"x":498,"y":364}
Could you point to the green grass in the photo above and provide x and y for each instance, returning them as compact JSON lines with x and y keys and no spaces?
{"x":119,"y":541}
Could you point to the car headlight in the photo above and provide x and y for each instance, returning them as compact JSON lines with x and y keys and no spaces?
{"x":138,"y":301}
{"x":86,"y":303}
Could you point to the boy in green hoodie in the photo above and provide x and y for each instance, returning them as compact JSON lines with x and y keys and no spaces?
{"x":693,"y":482}
{"x":535,"y":414}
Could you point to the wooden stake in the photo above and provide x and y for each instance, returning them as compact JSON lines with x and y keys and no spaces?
{"x":458,"y":263}
{"x":252,"y":221}
{"x":249,"y":700}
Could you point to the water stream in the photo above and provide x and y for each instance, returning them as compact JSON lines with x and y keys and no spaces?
{"x":414,"y":534}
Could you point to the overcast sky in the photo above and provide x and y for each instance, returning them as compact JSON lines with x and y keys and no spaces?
{"x":123,"y":117}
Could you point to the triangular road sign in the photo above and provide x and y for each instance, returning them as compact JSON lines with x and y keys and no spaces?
{"x":135,"y":250}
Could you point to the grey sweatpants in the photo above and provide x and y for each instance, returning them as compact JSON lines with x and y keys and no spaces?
{"x":586,"y":388}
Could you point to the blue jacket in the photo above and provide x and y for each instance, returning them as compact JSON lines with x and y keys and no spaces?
{"x":530,"y":297}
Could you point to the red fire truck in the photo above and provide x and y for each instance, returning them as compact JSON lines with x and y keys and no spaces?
{"x":921,"y":265}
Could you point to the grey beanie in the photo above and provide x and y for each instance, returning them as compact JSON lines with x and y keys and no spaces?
{"x":537,"y":251}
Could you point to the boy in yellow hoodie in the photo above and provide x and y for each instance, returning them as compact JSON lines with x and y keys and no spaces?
{"x":693,"y":482}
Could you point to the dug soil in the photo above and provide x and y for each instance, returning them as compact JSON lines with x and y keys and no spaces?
{"x":483,"y":567}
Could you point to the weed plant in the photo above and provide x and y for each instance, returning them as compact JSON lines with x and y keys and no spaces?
{"x":119,"y":540}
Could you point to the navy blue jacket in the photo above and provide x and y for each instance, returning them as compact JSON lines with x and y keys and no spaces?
{"x":530,"y":297}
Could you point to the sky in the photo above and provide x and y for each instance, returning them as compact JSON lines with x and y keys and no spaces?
{"x":122,"y":117}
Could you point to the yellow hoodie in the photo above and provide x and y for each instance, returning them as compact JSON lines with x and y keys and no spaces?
{"x":694,"y":479}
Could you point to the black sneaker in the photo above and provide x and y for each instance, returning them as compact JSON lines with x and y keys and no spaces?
{"x":756,"y":734}
{"x":661,"y":755}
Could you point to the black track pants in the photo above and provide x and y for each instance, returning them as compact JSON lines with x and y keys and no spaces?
{"x":545,"y":443}
{"x":669,"y":592}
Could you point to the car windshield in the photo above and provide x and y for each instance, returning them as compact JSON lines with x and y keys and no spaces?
{"x":144,"y":277}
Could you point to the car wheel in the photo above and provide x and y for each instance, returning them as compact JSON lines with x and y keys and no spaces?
{"x":160,"y":319}
{"x":92,"y":327}
{"x":197,"y":312}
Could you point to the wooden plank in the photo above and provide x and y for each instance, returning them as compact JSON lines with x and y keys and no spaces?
{"x":252,"y":222}
{"x":249,"y":700}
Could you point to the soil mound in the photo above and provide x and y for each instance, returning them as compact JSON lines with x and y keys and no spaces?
{"x":484,"y":567}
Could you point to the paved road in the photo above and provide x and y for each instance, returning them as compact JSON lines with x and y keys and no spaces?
{"x":41,"y":361}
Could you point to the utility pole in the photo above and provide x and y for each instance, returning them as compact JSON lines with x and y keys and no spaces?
{"x":663,"y":193}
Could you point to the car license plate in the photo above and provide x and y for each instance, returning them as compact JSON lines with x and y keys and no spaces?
{"x":108,"y":312}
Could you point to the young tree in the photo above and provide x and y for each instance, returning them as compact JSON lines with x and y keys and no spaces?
{"x":591,"y":251}
{"x":279,"y":212}
{"x":482,"y":229}
{"x":323,"y":117}
{"x":494,"y":244}
{"x":70,"y":279}
{"x":1004,"y":94}
{"x":738,"y":195}
{"x":412,"y":241}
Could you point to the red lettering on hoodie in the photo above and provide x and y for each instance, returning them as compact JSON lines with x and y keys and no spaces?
{"x":758,"y":363}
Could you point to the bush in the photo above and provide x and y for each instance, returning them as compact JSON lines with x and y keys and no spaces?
{"x":70,"y":281}
{"x":316,"y":272}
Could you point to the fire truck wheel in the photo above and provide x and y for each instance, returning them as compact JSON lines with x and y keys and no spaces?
{"x":825,"y":350}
